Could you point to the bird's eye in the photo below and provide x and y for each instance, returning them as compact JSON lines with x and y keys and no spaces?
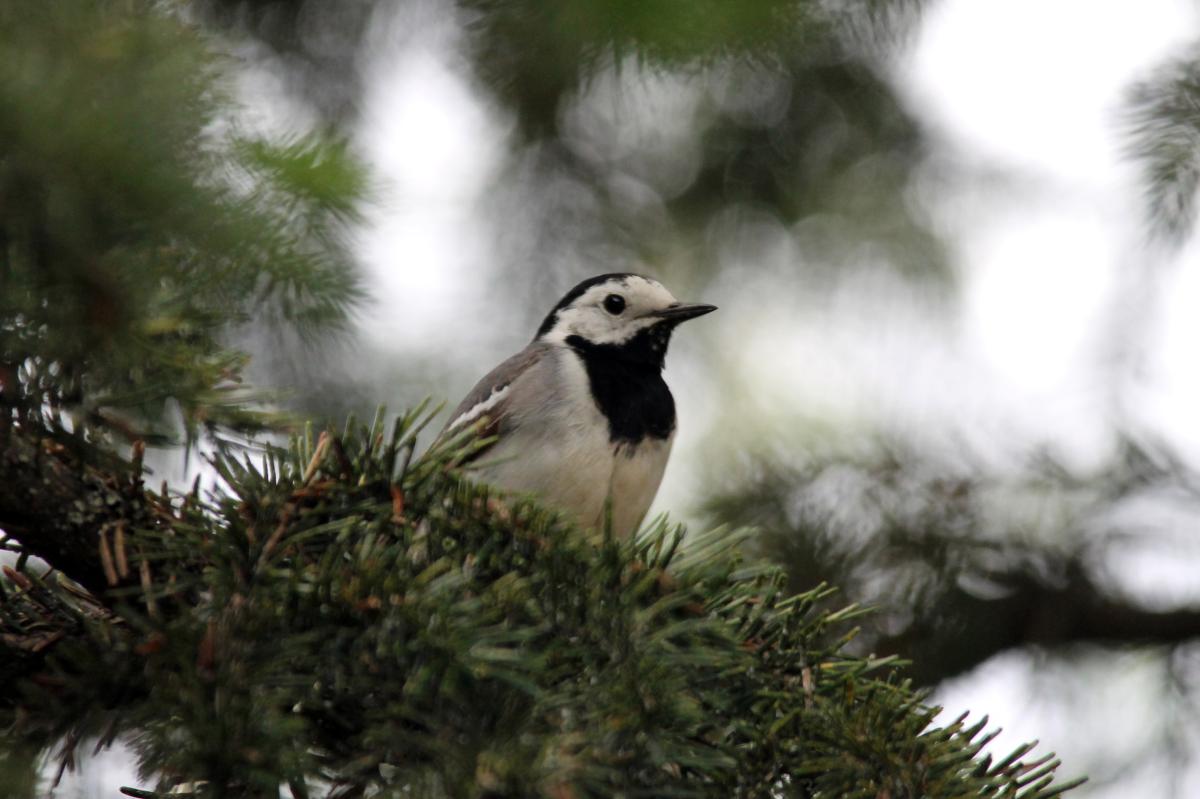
{"x":614,"y":304}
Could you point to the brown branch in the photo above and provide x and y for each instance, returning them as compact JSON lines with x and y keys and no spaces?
{"x":963,"y":630}
{"x":56,"y":505}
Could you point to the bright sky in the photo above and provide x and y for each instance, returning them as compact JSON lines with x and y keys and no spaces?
{"x":1047,"y":259}
{"x":435,"y":146}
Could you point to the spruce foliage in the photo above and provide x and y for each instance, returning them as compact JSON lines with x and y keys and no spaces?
{"x":347,"y":617}
{"x":138,"y":224}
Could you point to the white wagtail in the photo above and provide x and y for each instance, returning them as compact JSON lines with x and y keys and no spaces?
{"x":582,"y":414}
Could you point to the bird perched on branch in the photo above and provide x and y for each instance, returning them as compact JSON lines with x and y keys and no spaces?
{"x":582,"y":414}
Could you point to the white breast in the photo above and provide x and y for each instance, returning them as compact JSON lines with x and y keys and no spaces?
{"x":636,"y":476}
{"x":560,"y":451}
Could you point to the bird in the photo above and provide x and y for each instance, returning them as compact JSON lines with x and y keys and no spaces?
{"x":582,"y":416}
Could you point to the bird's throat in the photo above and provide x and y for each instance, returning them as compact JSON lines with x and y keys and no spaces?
{"x":629,"y":390}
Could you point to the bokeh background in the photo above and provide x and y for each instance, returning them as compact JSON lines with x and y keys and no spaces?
{"x":955,"y":367}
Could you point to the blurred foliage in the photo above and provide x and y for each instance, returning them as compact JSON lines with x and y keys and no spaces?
{"x":965,"y":562}
{"x":535,"y":54}
{"x":1164,"y":136}
{"x":797,"y":121}
{"x":345,"y":617}
{"x":138,"y":227}
{"x":18,"y":771}
{"x":794,"y":121}
{"x":315,"y":45}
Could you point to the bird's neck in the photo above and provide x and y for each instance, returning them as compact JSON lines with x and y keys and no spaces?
{"x":628,"y":388}
{"x":646,"y":349}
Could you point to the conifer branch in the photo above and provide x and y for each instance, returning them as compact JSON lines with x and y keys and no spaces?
{"x":462,"y":643}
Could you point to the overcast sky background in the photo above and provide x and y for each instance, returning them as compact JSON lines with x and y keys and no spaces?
{"x":1022,"y":99}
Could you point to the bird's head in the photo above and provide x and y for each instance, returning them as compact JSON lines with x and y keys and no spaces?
{"x":619,"y":315}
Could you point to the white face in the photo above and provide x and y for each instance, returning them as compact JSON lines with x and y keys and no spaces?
{"x":611,"y":312}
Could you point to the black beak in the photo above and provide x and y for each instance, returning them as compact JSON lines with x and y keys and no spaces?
{"x":682,"y":311}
